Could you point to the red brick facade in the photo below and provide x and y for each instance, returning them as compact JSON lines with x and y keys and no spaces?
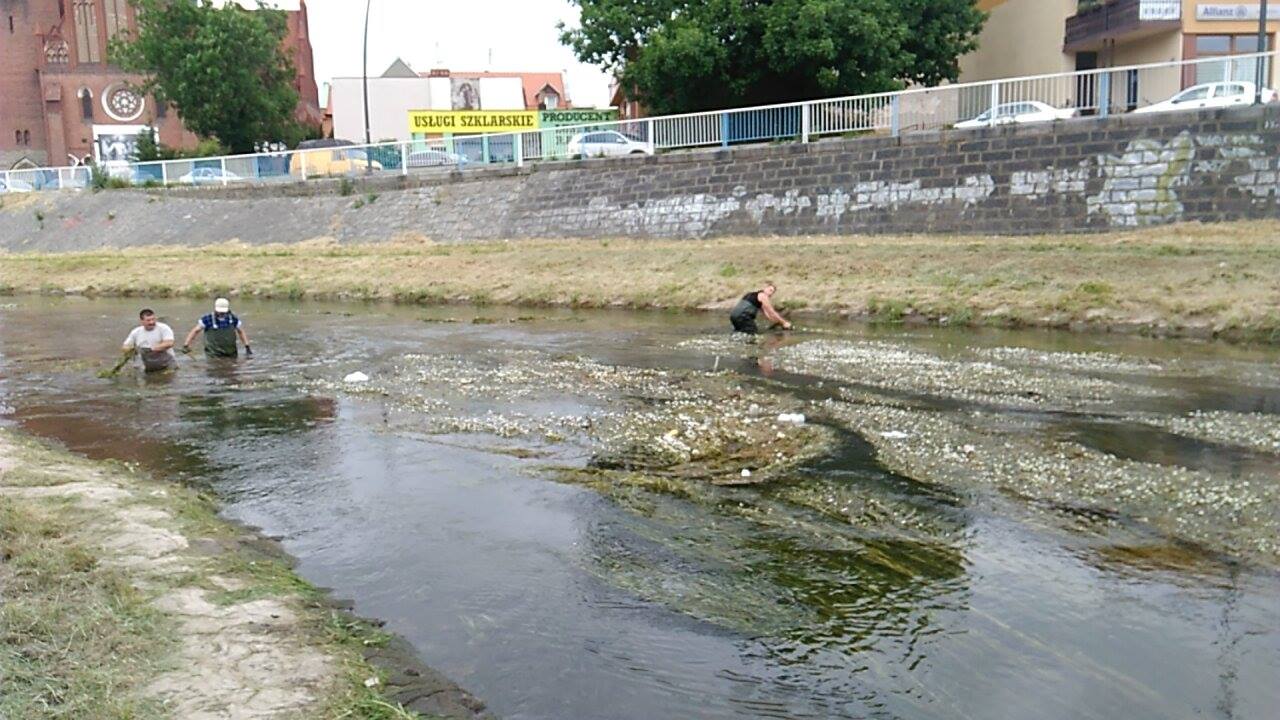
{"x":56,"y":87}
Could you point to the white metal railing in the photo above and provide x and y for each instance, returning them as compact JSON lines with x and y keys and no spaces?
{"x":1100,"y":92}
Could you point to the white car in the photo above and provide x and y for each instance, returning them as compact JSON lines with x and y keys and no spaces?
{"x":606,"y":143}
{"x":14,"y":185}
{"x":436,"y":158}
{"x":1027,"y":111}
{"x":1211,"y":95}
{"x":208,"y":176}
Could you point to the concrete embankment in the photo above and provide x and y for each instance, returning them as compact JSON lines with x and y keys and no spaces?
{"x":128,"y":597}
{"x":1084,"y":174}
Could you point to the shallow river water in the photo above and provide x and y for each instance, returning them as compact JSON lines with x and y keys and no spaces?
{"x":985,"y":525}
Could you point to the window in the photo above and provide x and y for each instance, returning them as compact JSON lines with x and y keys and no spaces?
{"x":1244,"y":70}
{"x":1213,"y":45}
{"x":162,"y":110}
{"x":10,"y":24}
{"x":86,"y":103}
{"x":17,"y":137}
{"x":117,"y":18}
{"x":1196,"y":93}
{"x":1131,"y":89}
{"x":1231,"y":90}
{"x":26,"y":137}
{"x":86,"y":23}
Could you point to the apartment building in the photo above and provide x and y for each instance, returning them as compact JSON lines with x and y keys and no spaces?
{"x":1032,"y":37}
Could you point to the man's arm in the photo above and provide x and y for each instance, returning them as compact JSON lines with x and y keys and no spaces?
{"x":772,"y":314}
{"x":166,"y":341}
{"x":191,"y":336}
{"x":129,"y":344}
{"x":244,"y":338}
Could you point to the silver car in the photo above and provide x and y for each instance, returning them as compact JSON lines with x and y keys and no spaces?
{"x":606,"y":143}
{"x":435,"y":158}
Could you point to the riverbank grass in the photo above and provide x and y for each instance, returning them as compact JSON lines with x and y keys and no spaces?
{"x":77,"y":636}
{"x":118,"y":591}
{"x":1190,"y":279}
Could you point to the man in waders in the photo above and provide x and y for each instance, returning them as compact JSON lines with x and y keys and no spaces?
{"x":743,"y":315}
{"x":221,"y":328}
{"x":153,"y":341}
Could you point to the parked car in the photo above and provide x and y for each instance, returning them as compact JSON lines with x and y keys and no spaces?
{"x":14,"y":185}
{"x":1211,"y":95}
{"x":607,"y":143}
{"x":209,"y":176}
{"x":1027,"y":111}
{"x":329,"y":158}
{"x":436,"y":158}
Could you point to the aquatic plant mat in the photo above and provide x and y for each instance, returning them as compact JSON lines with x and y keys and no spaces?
{"x":1081,"y":441}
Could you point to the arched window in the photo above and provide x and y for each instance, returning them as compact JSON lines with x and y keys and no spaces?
{"x":86,"y":103}
{"x":26,"y":137}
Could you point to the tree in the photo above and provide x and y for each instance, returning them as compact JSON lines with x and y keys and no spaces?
{"x":686,"y":55}
{"x":224,"y":69}
{"x":147,"y":149}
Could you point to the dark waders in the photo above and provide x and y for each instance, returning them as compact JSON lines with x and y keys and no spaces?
{"x":743,"y":317}
{"x":220,"y":342}
{"x":157,"y":361}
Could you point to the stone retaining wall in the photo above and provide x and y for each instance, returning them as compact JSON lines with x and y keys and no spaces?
{"x":1086,"y":174}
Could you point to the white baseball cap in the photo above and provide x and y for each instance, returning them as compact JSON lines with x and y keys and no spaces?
{"x":221,"y":305}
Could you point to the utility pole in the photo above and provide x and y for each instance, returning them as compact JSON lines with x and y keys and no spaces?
{"x":368,"y":140}
{"x":1260,"y":77}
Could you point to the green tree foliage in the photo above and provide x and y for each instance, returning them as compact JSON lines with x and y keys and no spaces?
{"x":151,"y":150}
{"x":224,"y":69}
{"x":147,"y":148}
{"x":685,"y":55}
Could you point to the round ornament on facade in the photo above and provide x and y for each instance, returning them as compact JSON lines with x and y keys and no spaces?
{"x":122,"y":103}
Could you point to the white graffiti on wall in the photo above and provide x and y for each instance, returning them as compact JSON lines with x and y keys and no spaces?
{"x":790,"y":203}
{"x":1036,"y":184}
{"x":1139,"y":186}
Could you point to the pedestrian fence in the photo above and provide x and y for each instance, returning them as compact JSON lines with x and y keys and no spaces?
{"x":1100,"y":92}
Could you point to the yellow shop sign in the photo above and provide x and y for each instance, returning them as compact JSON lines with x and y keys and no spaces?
{"x":461,"y":122}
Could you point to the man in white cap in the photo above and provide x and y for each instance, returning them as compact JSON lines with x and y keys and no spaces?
{"x":221,"y":328}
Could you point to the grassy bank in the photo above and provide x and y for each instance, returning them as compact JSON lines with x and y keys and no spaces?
{"x":1197,"y":280}
{"x":124,"y":597}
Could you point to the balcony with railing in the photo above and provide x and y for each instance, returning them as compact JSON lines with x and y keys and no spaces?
{"x":1098,"y":20}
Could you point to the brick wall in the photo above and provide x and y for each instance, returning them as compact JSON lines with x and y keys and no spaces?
{"x":1075,"y":176}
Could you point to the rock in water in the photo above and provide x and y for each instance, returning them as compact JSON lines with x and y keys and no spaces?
{"x":796,"y":418}
{"x":356,"y":377}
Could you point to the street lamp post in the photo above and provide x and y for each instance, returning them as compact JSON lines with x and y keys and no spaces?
{"x":1259,"y":77}
{"x":368,"y":140}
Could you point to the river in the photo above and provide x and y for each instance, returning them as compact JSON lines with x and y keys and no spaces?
{"x":981,"y":534}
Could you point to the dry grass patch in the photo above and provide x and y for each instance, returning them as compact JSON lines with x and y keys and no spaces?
{"x":1195,"y":277}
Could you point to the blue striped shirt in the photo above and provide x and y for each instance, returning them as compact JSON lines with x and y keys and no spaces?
{"x":214,"y":321}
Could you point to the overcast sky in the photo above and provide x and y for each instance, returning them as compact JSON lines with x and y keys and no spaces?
{"x":521,"y":34}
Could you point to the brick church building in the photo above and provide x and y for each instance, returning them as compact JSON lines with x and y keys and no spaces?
{"x":61,"y":102}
